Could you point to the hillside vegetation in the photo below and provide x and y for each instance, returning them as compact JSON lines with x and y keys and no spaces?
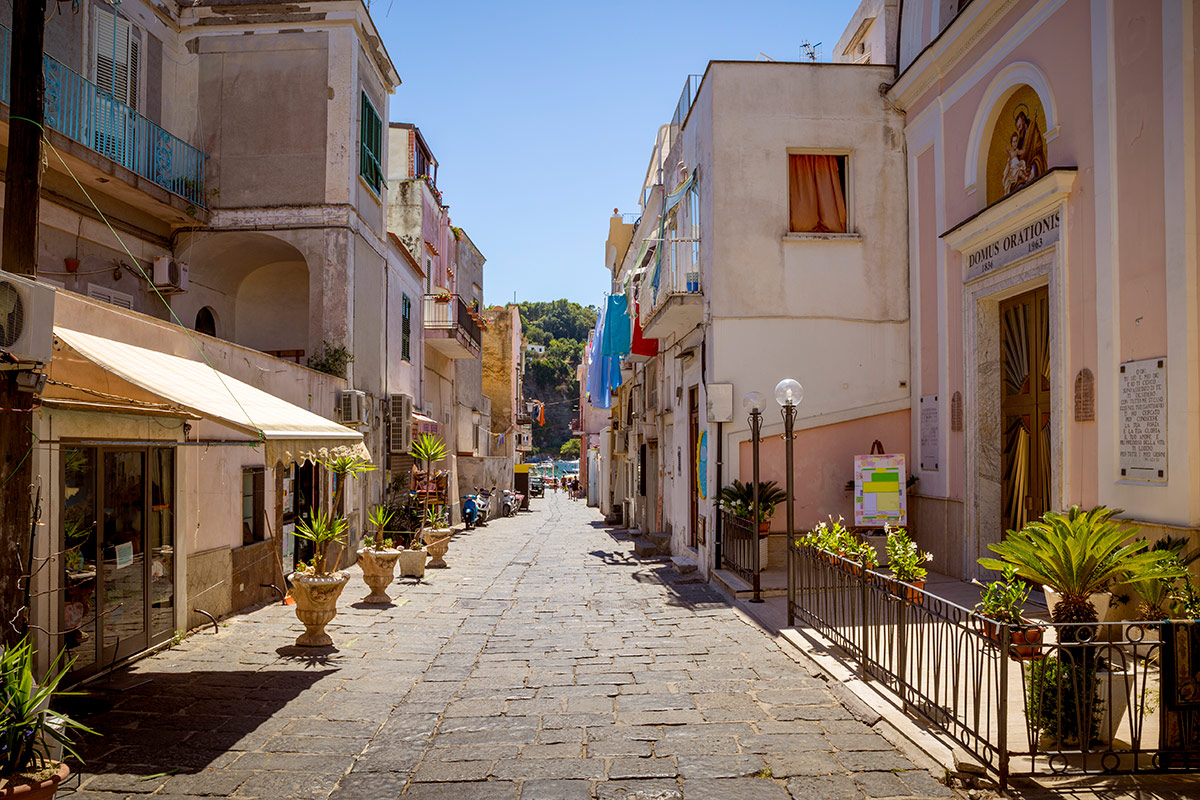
{"x":562,"y":327}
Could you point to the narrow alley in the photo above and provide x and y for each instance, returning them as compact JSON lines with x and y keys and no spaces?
{"x":546,"y":662}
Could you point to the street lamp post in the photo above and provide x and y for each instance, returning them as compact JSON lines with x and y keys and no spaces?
{"x":788,"y":394}
{"x":753,"y":403}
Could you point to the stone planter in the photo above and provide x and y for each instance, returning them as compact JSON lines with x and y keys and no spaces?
{"x":1101,"y":600}
{"x":316,"y":604}
{"x":378,"y":568}
{"x":412,"y":563}
{"x":37,"y":791}
{"x":437,"y":542}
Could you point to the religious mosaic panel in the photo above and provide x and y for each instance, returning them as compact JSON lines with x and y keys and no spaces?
{"x":1017,"y":154}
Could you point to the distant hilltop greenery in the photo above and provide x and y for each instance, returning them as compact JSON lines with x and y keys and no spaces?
{"x":562,"y":327}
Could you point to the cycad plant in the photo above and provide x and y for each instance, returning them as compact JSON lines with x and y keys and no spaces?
{"x":428,"y":448}
{"x":738,"y":499}
{"x":1078,"y":553}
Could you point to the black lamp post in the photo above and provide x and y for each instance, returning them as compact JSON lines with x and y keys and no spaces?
{"x":788,"y":394}
{"x":753,"y":404}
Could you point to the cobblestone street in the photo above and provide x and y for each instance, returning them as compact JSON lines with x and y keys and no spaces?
{"x":548,"y":662}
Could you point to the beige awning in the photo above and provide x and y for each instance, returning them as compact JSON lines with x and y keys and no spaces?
{"x":288,"y":433}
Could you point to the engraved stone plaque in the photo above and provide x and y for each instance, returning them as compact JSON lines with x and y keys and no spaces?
{"x":1143,"y":420}
{"x":929,"y":432}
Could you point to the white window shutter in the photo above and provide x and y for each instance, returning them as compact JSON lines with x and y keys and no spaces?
{"x":117,"y":46}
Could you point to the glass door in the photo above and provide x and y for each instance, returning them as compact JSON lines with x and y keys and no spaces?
{"x":123,"y":553}
{"x":80,"y":564}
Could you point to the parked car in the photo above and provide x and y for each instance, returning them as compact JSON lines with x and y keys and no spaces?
{"x":537,"y":486}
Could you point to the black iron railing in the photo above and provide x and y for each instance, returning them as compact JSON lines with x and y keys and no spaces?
{"x":739,"y":546}
{"x":1064,"y":699}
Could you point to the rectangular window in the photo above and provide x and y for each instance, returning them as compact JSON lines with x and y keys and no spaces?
{"x":370,"y":158}
{"x":117,"y":46}
{"x":253,"y":504}
{"x":405,"y":328}
{"x":112,"y":296}
{"x":817,"y":190}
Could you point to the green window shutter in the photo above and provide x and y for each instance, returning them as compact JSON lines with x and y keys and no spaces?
{"x":370,"y":151}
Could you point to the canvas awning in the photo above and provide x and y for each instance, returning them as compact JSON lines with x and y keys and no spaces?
{"x":288,"y":432}
{"x":426,"y":424}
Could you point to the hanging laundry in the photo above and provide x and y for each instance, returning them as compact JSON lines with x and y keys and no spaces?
{"x":617,"y":335}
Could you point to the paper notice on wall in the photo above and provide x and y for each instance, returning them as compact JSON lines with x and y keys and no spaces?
{"x":124,"y":555}
{"x":1143,"y":420}
{"x":879,"y":490}
{"x":928,"y":421}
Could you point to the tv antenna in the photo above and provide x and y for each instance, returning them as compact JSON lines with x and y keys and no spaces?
{"x":810,"y":52}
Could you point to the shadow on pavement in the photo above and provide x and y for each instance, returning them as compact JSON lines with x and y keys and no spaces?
{"x":181,"y":722}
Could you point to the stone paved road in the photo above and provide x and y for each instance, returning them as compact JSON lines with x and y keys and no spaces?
{"x":548,"y":663}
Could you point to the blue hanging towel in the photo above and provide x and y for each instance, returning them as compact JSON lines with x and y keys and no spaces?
{"x":617,"y":327}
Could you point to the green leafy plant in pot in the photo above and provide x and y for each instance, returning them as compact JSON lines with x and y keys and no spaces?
{"x":378,"y":557}
{"x":907,"y":563}
{"x":29,"y":730}
{"x":1002,"y":602}
{"x":738,"y":499}
{"x":429,"y":449}
{"x":317,"y":589}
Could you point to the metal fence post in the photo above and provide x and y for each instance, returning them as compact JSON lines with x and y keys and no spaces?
{"x":1002,"y":705}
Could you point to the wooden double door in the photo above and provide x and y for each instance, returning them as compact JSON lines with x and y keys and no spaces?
{"x":1026,"y":471}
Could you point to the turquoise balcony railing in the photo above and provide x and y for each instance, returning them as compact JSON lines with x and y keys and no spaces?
{"x":85,"y":113}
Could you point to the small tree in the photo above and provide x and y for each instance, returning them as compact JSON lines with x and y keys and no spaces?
{"x":427,"y":449}
{"x":569,"y":449}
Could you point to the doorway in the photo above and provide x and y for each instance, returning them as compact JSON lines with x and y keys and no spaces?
{"x":119,"y":552}
{"x":1026,"y":471}
{"x":693,"y":483}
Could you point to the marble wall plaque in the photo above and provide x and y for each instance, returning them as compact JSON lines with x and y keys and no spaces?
{"x":1143,"y":420}
{"x":929,"y":432}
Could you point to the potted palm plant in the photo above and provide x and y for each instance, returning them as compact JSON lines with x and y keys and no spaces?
{"x":428,"y":449}
{"x":378,"y":556}
{"x":315,"y":588}
{"x":907,"y":563}
{"x":29,"y":731}
{"x":738,"y":499}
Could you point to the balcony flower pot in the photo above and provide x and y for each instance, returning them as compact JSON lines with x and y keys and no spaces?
{"x":316,"y":604}
{"x":1025,"y":642}
{"x":437,"y":542}
{"x":909,"y":590}
{"x":412,"y":563}
{"x":379,"y":569}
{"x":17,"y":789}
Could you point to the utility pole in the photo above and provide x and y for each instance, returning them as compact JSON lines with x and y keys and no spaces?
{"x":22,"y":193}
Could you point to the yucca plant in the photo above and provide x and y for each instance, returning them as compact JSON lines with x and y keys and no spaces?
{"x":428,"y":448}
{"x":1156,"y":590}
{"x":322,"y":529}
{"x":1078,"y":553}
{"x":379,"y":517}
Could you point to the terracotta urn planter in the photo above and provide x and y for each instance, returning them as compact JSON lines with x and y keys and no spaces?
{"x":412,"y":563}
{"x":316,"y":604}
{"x":437,"y":542}
{"x":35,"y":791}
{"x":379,"y":568}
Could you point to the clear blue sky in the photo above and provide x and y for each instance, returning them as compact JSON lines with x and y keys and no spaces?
{"x":542,"y":115}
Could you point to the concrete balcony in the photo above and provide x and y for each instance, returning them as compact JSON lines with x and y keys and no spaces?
{"x":449,"y":327}
{"x":676,"y":304}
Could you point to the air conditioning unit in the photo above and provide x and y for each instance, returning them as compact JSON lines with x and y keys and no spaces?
{"x":26,"y":318}
{"x":400,"y":423}
{"x":620,"y":441}
{"x":170,"y":275}
{"x":353,"y":405}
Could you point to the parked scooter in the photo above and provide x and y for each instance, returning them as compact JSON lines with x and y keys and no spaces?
{"x":510,"y":503}
{"x":483,"y":501}
{"x":470,"y":511}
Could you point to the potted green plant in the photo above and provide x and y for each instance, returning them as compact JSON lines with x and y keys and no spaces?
{"x":428,"y":449}
{"x":738,"y":499}
{"x":378,"y":557}
{"x":29,"y":730}
{"x":1079,"y":554}
{"x":907,"y":563}
{"x":317,"y":589}
{"x":1002,"y":602}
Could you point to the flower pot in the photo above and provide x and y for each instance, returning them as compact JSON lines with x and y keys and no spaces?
{"x":1025,"y":640}
{"x":437,"y":542}
{"x":909,"y":590}
{"x":378,"y":568}
{"x":1101,"y":600}
{"x":37,"y":791}
{"x":316,"y":604}
{"x":764,"y":527}
{"x":1114,"y":690}
{"x":412,"y":563}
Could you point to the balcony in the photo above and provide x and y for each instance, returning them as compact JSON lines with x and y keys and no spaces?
{"x":676,"y":304}
{"x":84,"y":113}
{"x":449,"y":327}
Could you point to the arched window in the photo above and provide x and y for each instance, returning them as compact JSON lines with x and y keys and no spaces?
{"x":206,"y":321}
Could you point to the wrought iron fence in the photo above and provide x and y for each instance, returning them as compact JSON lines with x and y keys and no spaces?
{"x":1026,"y":699}
{"x":739,"y":546}
{"x":81,"y":111}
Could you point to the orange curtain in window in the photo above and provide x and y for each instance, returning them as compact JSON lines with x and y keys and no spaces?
{"x":815,"y":192}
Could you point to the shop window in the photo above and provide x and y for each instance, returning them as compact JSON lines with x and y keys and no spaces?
{"x":817,"y":190}
{"x":253,"y":505}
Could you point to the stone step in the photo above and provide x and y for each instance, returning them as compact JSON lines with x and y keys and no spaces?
{"x":644,"y":548}
{"x":684,"y":565}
